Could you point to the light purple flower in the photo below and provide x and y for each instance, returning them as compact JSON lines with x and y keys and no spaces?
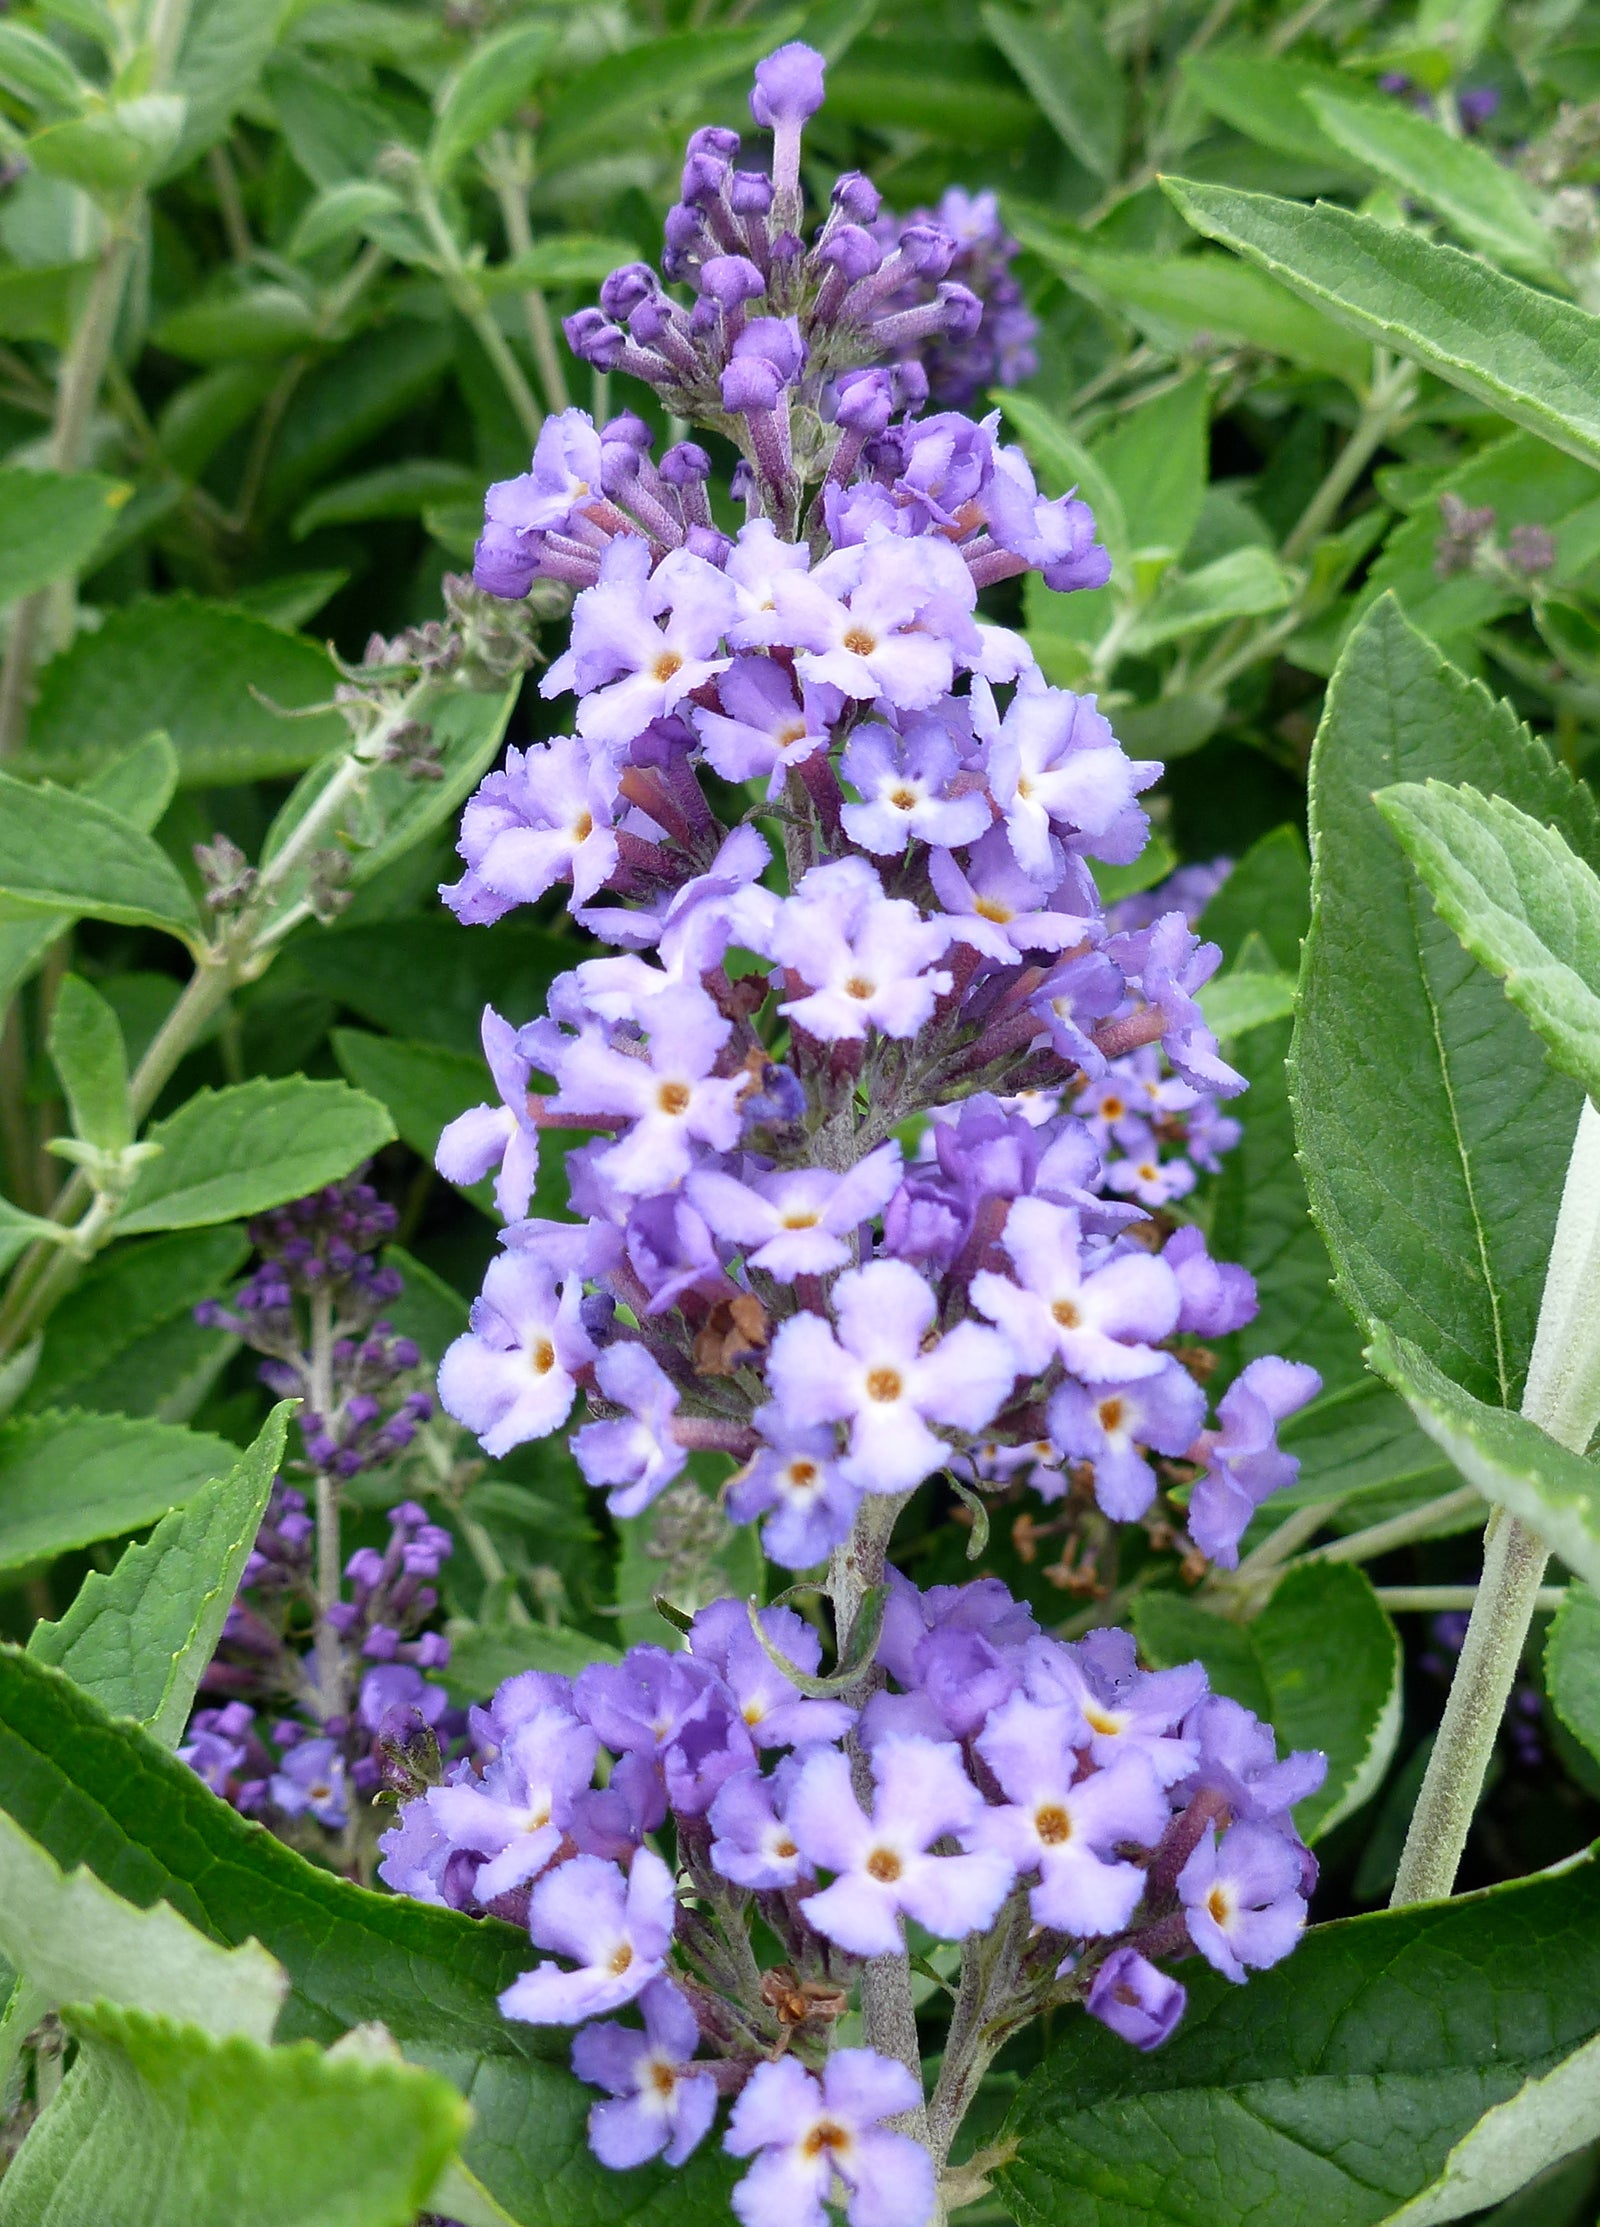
{"x":638,"y":1458}
{"x":1242,"y":1898}
{"x":1136,"y":1999}
{"x":1103,"y":1324}
{"x":1123,"y":1709}
{"x":513,"y":1375}
{"x":752,"y":1844}
{"x":798,"y":1483}
{"x":810,"y":2133}
{"x":878,"y":1374}
{"x":788,"y":86}
{"x":1145,"y":1176}
{"x":616,"y":1929}
{"x":1065,"y":1827}
{"x":997,"y":908}
{"x":627,"y":665}
{"x":761,"y":731}
{"x":1244,"y":1463}
{"x":673,"y":1098}
{"x":864,"y":959}
{"x":517,"y":1813}
{"x":1173,"y":966}
{"x":310,"y":1779}
{"x":797,"y":1223}
{"x":1108,"y":1424}
{"x":754,"y":564}
{"x":1055,"y":768}
{"x":775,"y":1712}
{"x":1238,"y":1759}
{"x":546,"y":818}
{"x":565,"y":472}
{"x":883,"y":1864}
{"x":853,"y":620}
{"x":1218,"y":1296}
{"x":662,"y":2106}
{"x":503,"y":1136}
{"x":904,"y":783}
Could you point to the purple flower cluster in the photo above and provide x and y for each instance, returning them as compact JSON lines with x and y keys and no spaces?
{"x":309,"y":1759}
{"x":1084,"y":1817}
{"x":313,"y":1308}
{"x":999,"y":351}
{"x":759,"y":1269}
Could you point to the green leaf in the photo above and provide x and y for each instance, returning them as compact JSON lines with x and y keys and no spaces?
{"x":41,"y":304}
{"x":68,"y":853}
{"x":112,"y":151}
{"x":230,"y":1153}
{"x":98,"y":1793}
{"x":1533,"y":358}
{"x":18,"y":1231}
{"x":1233,"y":1004}
{"x":225,"y":44}
{"x":401,"y":490}
{"x":483,"y":1656}
{"x":1268,"y":894}
{"x":79,"y":1943}
{"x":487,"y":90}
{"x":1173,"y":298}
{"x":51,"y":524}
{"x":1434,"y":1136}
{"x":1066,"y":67}
{"x":207,"y":675}
{"x":128,"y":1295}
{"x":158,"y":2122}
{"x":67,"y":1480}
{"x":1523,"y":903}
{"x":87,"y":1053}
{"x":1156,"y":458}
{"x":352,"y":205}
{"x":1245,"y":584}
{"x":1361,"y":1455}
{"x":346,"y":401}
{"x":1572,"y":1665}
{"x":1414,"y":2065}
{"x":423,"y":1086}
{"x":1263,"y":95}
{"x":140,"y":1638}
{"x":334,"y":135}
{"x":1479,"y":198}
{"x":594,"y":103}
{"x":233,"y":322}
{"x":430,"y":977}
{"x":1322,"y":1661}
{"x":1510,"y":1460}
{"x":39,"y":73}
{"x":565,"y":259}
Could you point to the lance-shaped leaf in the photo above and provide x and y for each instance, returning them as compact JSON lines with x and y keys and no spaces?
{"x":62,"y":853}
{"x":1535,"y":359}
{"x":18,"y":1231}
{"x":229,"y":1153}
{"x":139,"y":1638}
{"x":51,"y":523}
{"x":1510,"y":1460}
{"x":159,"y":2122}
{"x":87,"y":1052}
{"x":1413,"y":2066}
{"x":1521,"y":900}
{"x":1068,"y":70}
{"x":67,"y":1480}
{"x":1433,"y":1134}
{"x":1572,"y":1665}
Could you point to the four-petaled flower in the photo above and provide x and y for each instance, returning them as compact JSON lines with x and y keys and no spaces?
{"x":615,"y":1926}
{"x":807,"y":2134}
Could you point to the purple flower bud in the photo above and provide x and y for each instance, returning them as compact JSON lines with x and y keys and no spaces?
{"x":629,"y":284}
{"x":865,"y":401}
{"x":380,"y":1644}
{"x":730,"y":280}
{"x":750,"y":384}
{"x":342,"y":1615}
{"x":708,"y":542}
{"x":682,"y":228}
{"x":851,"y":251}
{"x":685,"y":464}
{"x":856,"y":198}
{"x":361,"y":1408}
{"x":714,"y":139}
{"x":963,"y":312}
{"x":928,"y":249}
{"x":703,"y":176}
{"x":1135,"y":1999}
{"x":750,"y":193}
{"x":788,"y":87}
{"x":365,"y":1567}
{"x":594,"y":339}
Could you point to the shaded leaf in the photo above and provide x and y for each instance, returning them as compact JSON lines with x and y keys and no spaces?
{"x":226,"y":1154}
{"x":67,"y":1479}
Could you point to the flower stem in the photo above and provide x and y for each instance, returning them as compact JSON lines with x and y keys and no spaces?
{"x":330,"y":1561}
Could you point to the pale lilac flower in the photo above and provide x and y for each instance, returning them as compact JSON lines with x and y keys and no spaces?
{"x":797,"y":1223}
{"x":1218,"y":1295}
{"x":761,"y":731}
{"x":616,"y":1929}
{"x":1145,"y":1176}
{"x":662,"y":2106}
{"x":755,"y":563}
{"x":752,"y":1845}
{"x":904,"y":783}
{"x":880,"y":1377}
{"x":311,"y":1780}
{"x":1135,"y":1999}
{"x":1173,"y":966}
{"x":565,"y":472}
{"x":1103,"y":1324}
{"x":503,"y":1136}
{"x":997,"y":908}
{"x":810,"y":2133}
{"x":672,"y":1098}
{"x":776,"y":1714}
{"x":627,"y":667}
{"x":513,"y":1375}
{"x":883,"y":1864}
{"x":546,"y":818}
{"x":1244,"y":1463}
{"x":853,"y":619}
{"x":1108,"y":1424}
{"x":1242,"y":1898}
{"x":638,"y":1458}
{"x":518,"y":1812}
{"x":1123,"y":1709}
{"x":1064,"y":1827}
{"x":799,"y":1485}
{"x":421,"y":1860}
{"x":1055,"y":768}
{"x":863,"y":958}
{"x":1238,"y":1759}
{"x":1056,"y":537}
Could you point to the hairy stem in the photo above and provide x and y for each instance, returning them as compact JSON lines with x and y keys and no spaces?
{"x":511,"y":190}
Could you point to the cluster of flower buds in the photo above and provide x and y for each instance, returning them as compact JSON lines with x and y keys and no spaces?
{"x":1468,"y":542}
{"x":1073,"y":1819}
{"x":759,"y":1269}
{"x":312,"y":1307}
{"x":1000,"y":351}
{"x":305,"y":1764}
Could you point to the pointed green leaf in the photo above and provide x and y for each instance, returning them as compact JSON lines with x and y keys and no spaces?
{"x":87,"y":1053}
{"x":1409,"y":2067}
{"x":139,"y":1639}
{"x":1510,"y":1460}
{"x":1521,"y":900}
{"x":487,"y":90}
{"x":113,"y":150}
{"x":1433,"y":1134}
{"x":1067,"y":68}
{"x":591,"y":106}
{"x":1247,"y":583}
{"x":1263,"y":96}
{"x":1572,"y":1665}
{"x":1534,"y":358}
{"x":51,"y":524}
{"x":66,"y":1480}
{"x":229,"y":1153}
{"x":61,"y":852}
{"x":18,"y":1231}
{"x":1233,"y":1004}
{"x":126,"y":1297}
